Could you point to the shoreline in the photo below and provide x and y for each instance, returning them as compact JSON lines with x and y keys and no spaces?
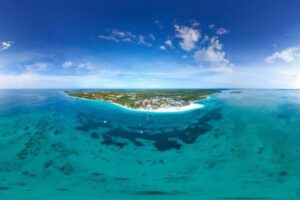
{"x":190,"y":107}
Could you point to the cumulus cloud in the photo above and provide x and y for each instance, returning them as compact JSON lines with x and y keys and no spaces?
{"x":162,"y":47}
{"x":222,"y":31}
{"x":67,"y":64}
{"x":169,"y":43}
{"x":87,"y":66}
{"x":126,"y":36}
{"x":287,"y":55}
{"x":214,"y":56}
{"x":189,"y":37}
{"x":5,"y":45}
{"x":214,"y":53}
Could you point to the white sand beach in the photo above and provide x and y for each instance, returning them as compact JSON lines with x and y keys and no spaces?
{"x":192,"y":106}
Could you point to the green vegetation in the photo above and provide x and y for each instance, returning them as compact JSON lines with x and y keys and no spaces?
{"x":146,"y":99}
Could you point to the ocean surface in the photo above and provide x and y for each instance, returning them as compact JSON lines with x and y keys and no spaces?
{"x":242,"y":144}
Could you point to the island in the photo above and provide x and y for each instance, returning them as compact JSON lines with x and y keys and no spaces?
{"x":152,"y":100}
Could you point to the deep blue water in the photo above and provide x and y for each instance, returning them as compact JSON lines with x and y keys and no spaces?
{"x":241,"y":145}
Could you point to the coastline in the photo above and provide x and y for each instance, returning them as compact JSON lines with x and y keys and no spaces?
{"x":190,"y":107}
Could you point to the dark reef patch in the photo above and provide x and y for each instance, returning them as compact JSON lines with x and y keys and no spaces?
{"x":67,"y":169}
{"x":282,"y":173}
{"x":157,"y":192}
{"x":29,"y":174}
{"x":169,"y":140}
{"x":162,"y":141}
{"x":166,"y":144}
{"x":95,"y":135}
{"x":2,"y":188}
{"x":297,"y":192}
{"x":88,"y":122}
{"x":96,"y":177}
{"x":122,"y":179}
{"x":56,"y":132}
{"x":288,"y":111}
{"x":19,"y":184}
{"x":63,"y":189}
{"x":48,"y":164}
{"x":31,"y":147}
{"x":108,"y":140}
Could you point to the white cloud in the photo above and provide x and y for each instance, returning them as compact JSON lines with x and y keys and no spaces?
{"x":195,"y":23}
{"x":287,"y":55}
{"x":158,"y":23}
{"x":169,"y":43}
{"x":222,"y":31}
{"x":189,"y":37}
{"x":152,"y":37}
{"x":214,"y":53}
{"x":67,"y":64}
{"x":126,"y":36}
{"x":212,"y":26}
{"x":214,"y":56}
{"x":78,"y":66}
{"x":38,"y":66}
{"x":162,"y":47}
{"x":87,"y":66}
{"x":5,"y":45}
{"x":205,"y":39}
{"x":118,"y":36}
{"x":141,"y":40}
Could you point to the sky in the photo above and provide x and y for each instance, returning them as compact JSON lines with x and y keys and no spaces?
{"x":149,"y":44}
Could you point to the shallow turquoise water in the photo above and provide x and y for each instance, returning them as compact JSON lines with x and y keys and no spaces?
{"x":239,"y":146}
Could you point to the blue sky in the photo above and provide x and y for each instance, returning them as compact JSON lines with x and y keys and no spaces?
{"x":149,"y":44}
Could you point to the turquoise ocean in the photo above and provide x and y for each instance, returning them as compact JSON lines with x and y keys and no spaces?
{"x":242,"y":144}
